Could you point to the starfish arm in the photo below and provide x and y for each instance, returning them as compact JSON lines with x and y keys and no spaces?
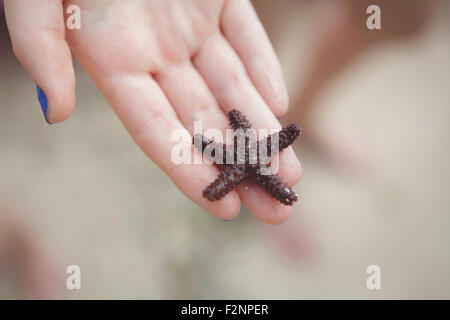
{"x":229,"y":178}
{"x":200,"y":142}
{"x":276,"y":187}
{"x":286,"y":137}
{"x":238,"y":120}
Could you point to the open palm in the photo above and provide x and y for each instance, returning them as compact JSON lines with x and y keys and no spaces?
{"x":162,"y":65}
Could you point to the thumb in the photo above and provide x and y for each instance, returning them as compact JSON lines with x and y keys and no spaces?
{"x":38,"y":38}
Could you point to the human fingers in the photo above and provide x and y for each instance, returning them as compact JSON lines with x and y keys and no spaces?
{"x":37,"y":33}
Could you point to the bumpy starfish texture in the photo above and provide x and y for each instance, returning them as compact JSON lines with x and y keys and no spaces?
{"x":245,"y":159}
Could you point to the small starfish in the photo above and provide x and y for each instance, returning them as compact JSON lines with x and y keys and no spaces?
{"x":249,"y":164}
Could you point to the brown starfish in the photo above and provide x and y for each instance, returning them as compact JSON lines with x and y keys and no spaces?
{"x":245,"y":159}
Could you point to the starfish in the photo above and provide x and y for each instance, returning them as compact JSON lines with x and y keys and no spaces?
{"x":244,"y":160}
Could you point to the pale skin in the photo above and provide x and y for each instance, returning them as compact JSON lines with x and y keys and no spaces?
{"x":162,"y":64}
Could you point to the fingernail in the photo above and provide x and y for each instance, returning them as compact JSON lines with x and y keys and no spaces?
{"x":43,"y":101}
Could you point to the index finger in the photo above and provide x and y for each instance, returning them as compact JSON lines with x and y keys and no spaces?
{"x":149,"y":118}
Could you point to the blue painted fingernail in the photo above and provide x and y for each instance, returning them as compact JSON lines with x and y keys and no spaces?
{"x":43,"y":101}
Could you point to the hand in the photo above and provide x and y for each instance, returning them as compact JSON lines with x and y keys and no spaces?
{"x":162,"y":65}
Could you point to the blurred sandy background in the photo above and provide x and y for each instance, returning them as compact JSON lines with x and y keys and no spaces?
{"x":93,"y":199}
